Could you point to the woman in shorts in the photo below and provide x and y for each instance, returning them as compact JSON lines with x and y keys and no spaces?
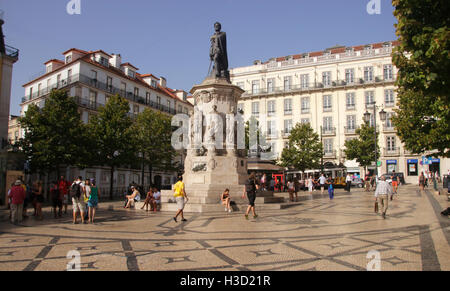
{"x":226,"y":200}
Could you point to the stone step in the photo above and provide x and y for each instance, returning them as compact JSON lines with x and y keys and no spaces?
{"x":172,"y":207}
{"x":216,"y":200}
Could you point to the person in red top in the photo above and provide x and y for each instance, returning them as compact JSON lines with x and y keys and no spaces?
{"x":63,"y":186}
{"x":17,"y":196}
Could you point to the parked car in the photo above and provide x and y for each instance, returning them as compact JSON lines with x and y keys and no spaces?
{"x":357,"y":182}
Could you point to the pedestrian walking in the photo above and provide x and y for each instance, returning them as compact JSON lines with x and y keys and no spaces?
{"x":382,"y":192}
{"x":17,"y":196}
{"x":181,"y":199}
{"x":87,"y":193}
{"x":291,"y":190}
{"x":330,"y":188}
{"x":348,"y":181}
{"x":322,"y":181}
{"x":395,"y":181}
{"x":310,"y":184}
{"x":422,"y":180}
{"x":250,"y":189}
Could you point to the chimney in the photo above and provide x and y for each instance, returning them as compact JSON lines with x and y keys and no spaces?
{"x":2,"y":37}
{"x":116,"y":61}
{"x":182,"y":95}
{"x":162,"y":82}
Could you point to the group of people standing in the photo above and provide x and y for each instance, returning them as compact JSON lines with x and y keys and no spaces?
{"x":429,"y":178}
{"x":83,"y":195}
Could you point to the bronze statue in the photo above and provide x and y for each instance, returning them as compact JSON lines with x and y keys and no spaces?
{"x":218,"y":53}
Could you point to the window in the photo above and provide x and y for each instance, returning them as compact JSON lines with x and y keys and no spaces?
{"x":168,"y":104}
{"x":271,"y":108}
{"x":39,"y":89}
{"x":370,"y":98}
{"x":109,"y":84}
{"x":123,"y":88}
{"x":240,"y":84}
{"x":288,"y":126}
{"x":389,"y":120}
{"x":180,"y":109}
{"x":327,"y":106}
{"x":255,"y":87}
{"x":349,"y":76}
{"x":154,"y":84}
{"x":104,"y":61}
{"x":271,"y":129}
{"x":69,"y":76}
{"x":304,"y":81}
{"x":147,"y":98}
{"x":131,"y":73}
{"x":135,"y":109}
{"x":270,"y":85}
{"x":387,"y":72}
{"x":328,"y":146}
{"x":390,"y":143}
{"x":255,"y":108}
{"x":93,"y":78}
{"x":351,"y":122}
{"x":58,"y":80}
{"x":92,"y":98}
{"x":305,"y":120}
{"x":68,"y":59}
{"x":326,"y":78}
{"x":305,"y":105}
{"x":368,"y":74}
{"x":350,"y":101}
{"x":158,"y":100}
{"x":327,"y":123}
{"x":48,"y":69}
{"x":48,"y":85}
{"x":287,"y":106}
{"x":287,"y":83}
{"x":136,"y":92}
{"x":389,"y":98}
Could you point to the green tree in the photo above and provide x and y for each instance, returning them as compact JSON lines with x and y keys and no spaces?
{"x":113,"y":143}
{"x":423,"y":59}
{"x":54,"y":135}
{"x":304,"y":150}
{"x":362,"y":149}
{"x":153,"y":132}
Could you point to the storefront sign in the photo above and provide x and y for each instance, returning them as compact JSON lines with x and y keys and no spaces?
{"x":391,"y":162}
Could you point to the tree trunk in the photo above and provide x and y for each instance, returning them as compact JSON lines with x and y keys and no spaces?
{"x":150,"y":169}
{"x":111,"y":182}
{"x":143,"y":172}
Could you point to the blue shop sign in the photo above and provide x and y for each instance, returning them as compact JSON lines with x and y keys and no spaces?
{"x":413,"y":161}
{"x":435,"y":160}
{"x":391,"y":162}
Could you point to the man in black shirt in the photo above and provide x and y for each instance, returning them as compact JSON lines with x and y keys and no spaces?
{"x":250,"y":189}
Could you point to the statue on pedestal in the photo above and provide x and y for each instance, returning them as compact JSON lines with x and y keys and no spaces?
{"x":218,"y":53}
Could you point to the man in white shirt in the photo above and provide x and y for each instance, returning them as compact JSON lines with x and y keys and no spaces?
{"x":348,"y":180}
{"x":384,"y":189}
{"x":322,"y":181}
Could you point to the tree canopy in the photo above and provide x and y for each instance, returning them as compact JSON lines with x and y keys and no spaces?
{"x":423,"y":59}
{"x":362,"y":149}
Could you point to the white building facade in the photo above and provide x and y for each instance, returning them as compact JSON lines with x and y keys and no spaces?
{"x":92,"y":77}
{"x":331,"y":90}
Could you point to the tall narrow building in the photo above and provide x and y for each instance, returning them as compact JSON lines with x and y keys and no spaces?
{"x":8,"y":56}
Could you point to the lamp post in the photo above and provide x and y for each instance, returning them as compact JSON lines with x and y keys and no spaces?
{"x":367,"y":116}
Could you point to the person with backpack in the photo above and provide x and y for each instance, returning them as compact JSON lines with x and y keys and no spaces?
{"x":56,"y":199}
{"x":250,"y":189}
{"x":77,"y":196}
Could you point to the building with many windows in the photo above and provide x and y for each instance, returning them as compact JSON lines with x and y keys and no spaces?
{"x":331,"y":90}
{"x":92,"y":77}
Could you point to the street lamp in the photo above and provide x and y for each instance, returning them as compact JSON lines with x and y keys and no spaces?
{"x":367,"y":117}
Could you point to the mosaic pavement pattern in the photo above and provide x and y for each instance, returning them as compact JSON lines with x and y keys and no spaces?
{"x":316,"y":234}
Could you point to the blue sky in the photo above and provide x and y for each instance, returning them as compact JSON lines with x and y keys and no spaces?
{"x":170,"y":38}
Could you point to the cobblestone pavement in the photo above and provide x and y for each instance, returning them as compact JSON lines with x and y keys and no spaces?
{"x":316,"y":234}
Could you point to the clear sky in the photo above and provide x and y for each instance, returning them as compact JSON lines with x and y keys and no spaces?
{"x":170,"y":38}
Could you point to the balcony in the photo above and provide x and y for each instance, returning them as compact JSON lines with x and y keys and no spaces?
{"x":83,"y":79}
{"x":391,"y":152}
{"x":286,"y":133}
{"x":12,"y":52}
{"x":329,"y":131}
{"x":316,"y":86}
{"x":329,"y":154}
{"x":350,"y":130}
{"x":305,"y":110}
{"x":86,"y":103}
{"x":388,"y":128}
